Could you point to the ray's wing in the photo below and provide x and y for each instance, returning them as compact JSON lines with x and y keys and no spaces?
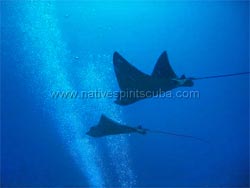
{"x":105,"y":122}
{"x":128,"y":76}
{"x":163,"y":68}
{"x":109,"y":127}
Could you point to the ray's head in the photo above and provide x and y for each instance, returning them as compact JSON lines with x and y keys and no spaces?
{"x":93,"y":131}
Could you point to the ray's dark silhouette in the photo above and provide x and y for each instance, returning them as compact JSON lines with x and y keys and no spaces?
{"x":136,"y":85}
{"x":109,"y":127}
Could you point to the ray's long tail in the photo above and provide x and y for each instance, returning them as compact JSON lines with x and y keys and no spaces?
{"x":219,"y":76}
{"x":175,"y":134}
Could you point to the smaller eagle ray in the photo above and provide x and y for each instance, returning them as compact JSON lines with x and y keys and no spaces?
{"x":108,"y":127}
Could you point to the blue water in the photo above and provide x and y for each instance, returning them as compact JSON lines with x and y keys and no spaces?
{"x":48,"y":46}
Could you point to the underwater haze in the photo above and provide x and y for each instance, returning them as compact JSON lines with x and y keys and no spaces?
{"x":51,"y":46}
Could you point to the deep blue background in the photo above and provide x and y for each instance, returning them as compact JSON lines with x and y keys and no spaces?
{"x":201,"y":38}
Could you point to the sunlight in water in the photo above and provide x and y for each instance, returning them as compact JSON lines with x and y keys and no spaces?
{"x":47,"y":57}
